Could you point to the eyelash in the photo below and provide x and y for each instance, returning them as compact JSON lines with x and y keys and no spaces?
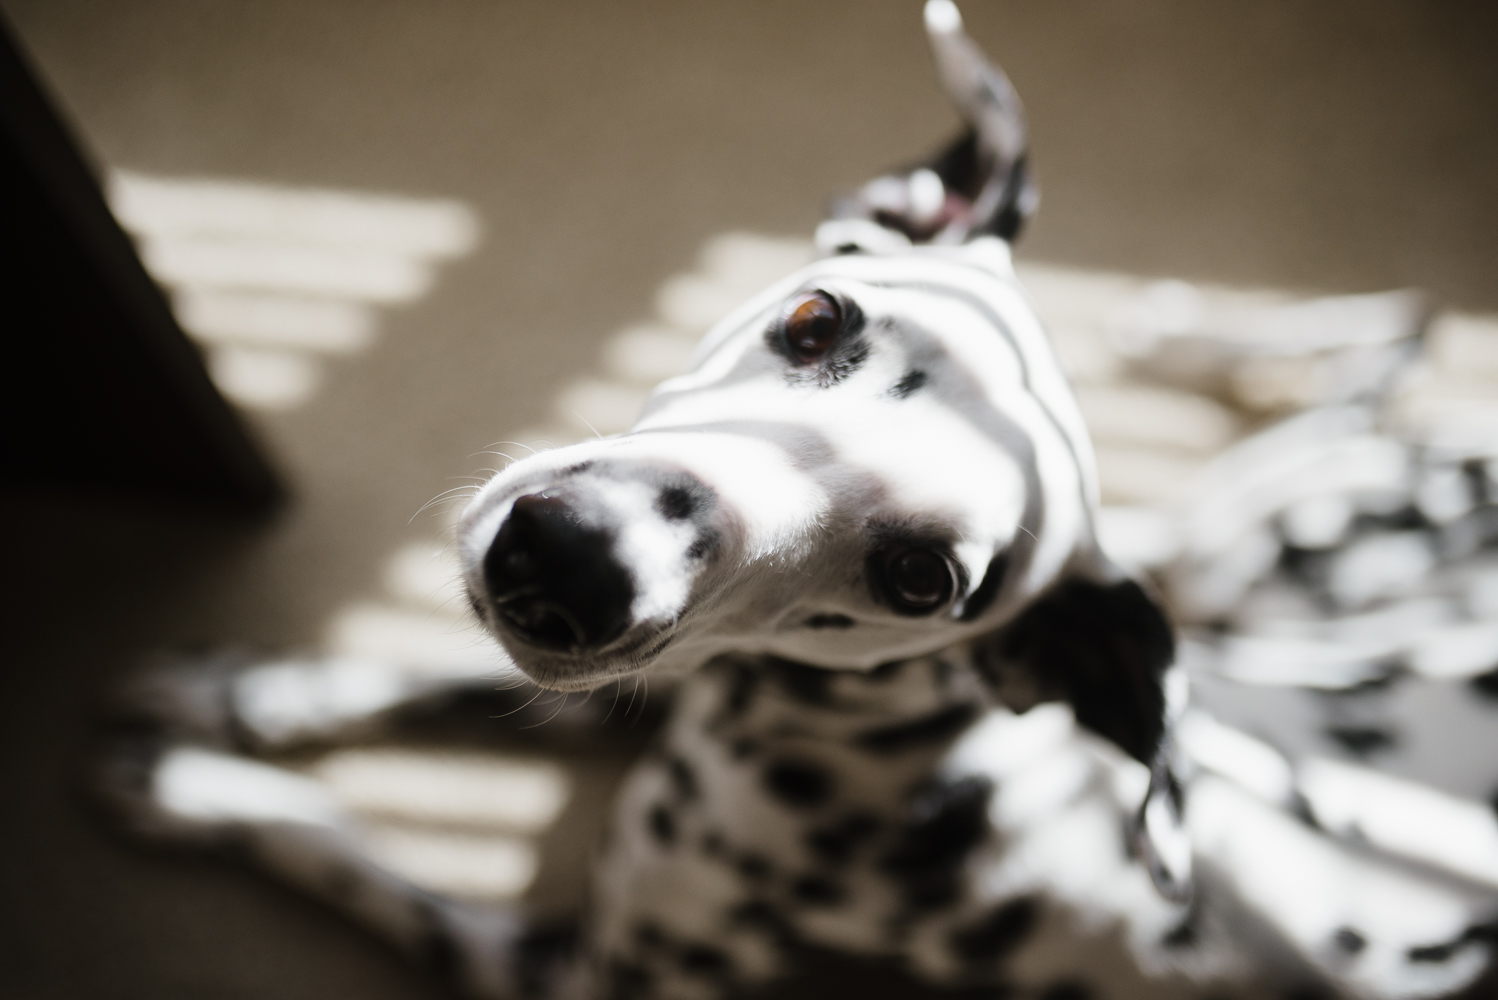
{"x":840,"y":362}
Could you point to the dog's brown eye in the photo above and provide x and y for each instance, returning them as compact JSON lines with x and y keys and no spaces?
{"x":812,"y":325}
{"x":915,"y":581}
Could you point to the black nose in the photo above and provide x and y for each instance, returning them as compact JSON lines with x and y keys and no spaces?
{"x":555,"y":579}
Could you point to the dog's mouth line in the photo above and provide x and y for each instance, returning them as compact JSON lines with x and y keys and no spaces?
{"x":557,"y":674}
{"x":580,"y":684}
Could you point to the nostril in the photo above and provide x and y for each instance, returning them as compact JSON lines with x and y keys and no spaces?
{"x":554,"y":579}
{"x":545,"y":623}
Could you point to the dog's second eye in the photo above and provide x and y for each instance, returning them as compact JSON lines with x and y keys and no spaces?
{"x":915,"y":581}
{"x":811,"y":325}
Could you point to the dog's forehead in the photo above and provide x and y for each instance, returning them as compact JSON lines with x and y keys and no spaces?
{"x":953,"y":342}
{"x":988,"y":442}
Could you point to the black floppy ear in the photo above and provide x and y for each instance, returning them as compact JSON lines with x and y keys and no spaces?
{"x":979,"y":185}
{"x":1104,"y":647}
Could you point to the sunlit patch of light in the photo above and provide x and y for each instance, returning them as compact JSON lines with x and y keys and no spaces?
{"x":217,"y":787}
{"x":411,"y":636}
{"x":424,"y":575}
{"x":466,"y":865}
{"x":458,"y":823}
{"x":296,"y":699}
{"x":464,"y":824}
{"x":332,"y":326}
{"x":270,"y":279}
{"x":261,"y":378}
{"x":462,"y":789}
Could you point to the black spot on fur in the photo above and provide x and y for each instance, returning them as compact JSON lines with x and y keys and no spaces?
{"x":683,"y":778}
{"x":1068,"y":989}
{"x":1435,"y":952}
{"x":1361,"y":740}
{"x":1486,"y":684}
{"x":836,"y":842}
{"x":1474,"y":471}
{"x":815,"y":890}
{"x":799,"y":783}
{"x":713,"y":845}
{"x":997,"y":934}
{"x":912,"y":380}
{"x":663,"y":825}
{"x":1475,"y":530}
{"x":741,"y":688}
{"x":829,"y":621}
{"x":1349,"y":940}
{"x":676,"y":503}
{"x":1406,"y":518}
{"x":948,"y":820}
{"x":743,"y":748}
{"x":1300,"y":808}
{"x":1441,"y":952}
{"x":1308,"y":567}
{"x":934,"y":728}
{"x":810,"y":685}
{"x":703,"y":960}
{"x":704,"y":544}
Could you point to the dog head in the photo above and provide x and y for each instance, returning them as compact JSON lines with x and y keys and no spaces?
{"x":876,"y":458}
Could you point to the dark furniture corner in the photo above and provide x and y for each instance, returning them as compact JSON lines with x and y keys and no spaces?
{"x":100,"y":390}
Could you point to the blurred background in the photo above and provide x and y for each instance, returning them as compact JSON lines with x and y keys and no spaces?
{"x":403,"y":232}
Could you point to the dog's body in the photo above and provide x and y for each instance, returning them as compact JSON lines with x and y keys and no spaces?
{"x":860,"y":531}
{"x":791,"y":810}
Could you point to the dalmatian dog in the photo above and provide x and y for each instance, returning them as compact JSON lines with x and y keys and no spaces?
{"x":861,"y":532}
{"x":920,"y":720}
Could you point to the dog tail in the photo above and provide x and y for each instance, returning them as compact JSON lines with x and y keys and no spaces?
{"x":981,"y":184}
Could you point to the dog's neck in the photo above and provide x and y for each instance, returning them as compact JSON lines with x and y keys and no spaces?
{"x":899,"y":707}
